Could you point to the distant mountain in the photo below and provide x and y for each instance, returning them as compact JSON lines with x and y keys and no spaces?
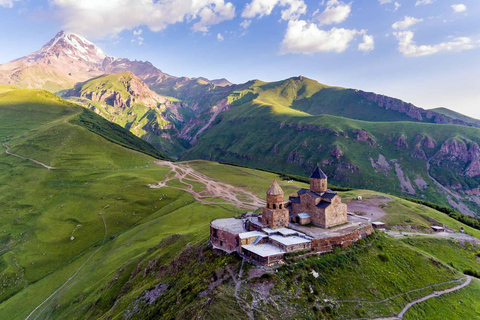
{"x":455,"y":115}
{"x":69,"y":58}
{"x":362,"y":139}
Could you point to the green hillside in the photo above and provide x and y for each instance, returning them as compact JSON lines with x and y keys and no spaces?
{"x":456,"y":115}
{"x":262,"y":131}
{"x":91,"y":238}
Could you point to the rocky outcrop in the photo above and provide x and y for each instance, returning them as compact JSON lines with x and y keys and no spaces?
{"x":419,"y":154}
{"x":409,"y":109}
{"x":402,"y":142}
{"x":131,"y":91}
{"x":362,"y":135}
{"x":336,"y":152}
{"x":455,"y":150}
{"x":425,"y":141}
{"x":295,"y":157}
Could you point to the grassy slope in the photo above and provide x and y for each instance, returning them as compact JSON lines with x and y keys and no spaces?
{"x":42,"y":209}
{"x":463,"y":304}
{"x":268,"y":137}
{"x":456,"y":115}
{"x":143,"y":121}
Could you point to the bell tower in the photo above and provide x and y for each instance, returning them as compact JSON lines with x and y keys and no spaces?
{"x":274,"y":215}
{"x":318,"y":181}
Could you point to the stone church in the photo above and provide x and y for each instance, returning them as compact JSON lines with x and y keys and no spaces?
{"x":318,"y":205}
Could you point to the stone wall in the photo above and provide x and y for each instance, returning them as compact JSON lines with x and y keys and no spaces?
{"x":335,"y":214}
{"x":318,"y":185}
{"x":275,"y":218}
{"x":292,"y":248}
{"x":224,"y":239}
{"x":327,"y":244}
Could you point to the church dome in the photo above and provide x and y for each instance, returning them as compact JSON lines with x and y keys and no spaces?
{"x":275,"y":189}
{"x":318,"y":174}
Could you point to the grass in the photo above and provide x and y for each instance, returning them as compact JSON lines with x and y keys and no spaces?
{"x":461,"y":304}
{"x":129,"y":238}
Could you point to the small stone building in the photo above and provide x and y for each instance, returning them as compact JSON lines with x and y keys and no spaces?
{"x":275,"y":215}
{"x":324,"y":206}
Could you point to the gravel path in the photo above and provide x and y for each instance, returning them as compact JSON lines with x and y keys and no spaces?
{"x":25,"y":158}
{"x":432,"y":295}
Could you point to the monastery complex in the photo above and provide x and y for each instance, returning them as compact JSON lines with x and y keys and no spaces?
{"x":315,"y":219}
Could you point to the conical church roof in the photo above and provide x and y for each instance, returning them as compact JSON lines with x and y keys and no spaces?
{"x":318,"y":174}
{"x":275,"y":189}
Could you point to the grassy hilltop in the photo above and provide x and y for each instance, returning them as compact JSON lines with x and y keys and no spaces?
{"x":90,"y":238}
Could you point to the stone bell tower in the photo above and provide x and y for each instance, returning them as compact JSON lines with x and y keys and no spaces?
{"x":274,"y":215}
{"x":318,"y":181}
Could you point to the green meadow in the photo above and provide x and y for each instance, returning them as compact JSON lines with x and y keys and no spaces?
{"x":89,"y":239}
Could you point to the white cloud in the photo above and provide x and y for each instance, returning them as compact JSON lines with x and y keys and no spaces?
{"x":7,"y":3}
{"x":397,"y":6}
{"x":264,"y":8}
{"x":423,"y":2}
{"x":245,"y":24}
{"x":137,"y":32}
{"x":335,"y":12}
{"x":368,"y":43}
{"x":140,"y":41}
{"x":408,"y":48}
{"x":220,"y":37}
{"x":459,"y":7}
{"x":385,"y":1}
{"x":307,"y":38}
{"x":406,"y":23}
{"x":101,"y":17}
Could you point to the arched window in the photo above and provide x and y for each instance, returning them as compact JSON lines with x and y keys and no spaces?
{"x":280,"y":206}
{"x":274,"y":206}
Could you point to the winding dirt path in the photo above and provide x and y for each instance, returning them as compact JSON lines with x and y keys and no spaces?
{"x":25,"y":158}
{"x":432,"y":295}
{"x":74,"y":274}
{"x":213,"y":189}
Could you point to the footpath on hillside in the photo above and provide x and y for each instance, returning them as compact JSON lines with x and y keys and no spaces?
{"x":187,"y":176}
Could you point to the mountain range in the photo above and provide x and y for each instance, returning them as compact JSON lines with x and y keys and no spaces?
{"x":97,"y":223}
{"x":362,"y":139}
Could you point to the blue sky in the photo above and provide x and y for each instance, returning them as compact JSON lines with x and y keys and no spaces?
{"x":422,"y":51}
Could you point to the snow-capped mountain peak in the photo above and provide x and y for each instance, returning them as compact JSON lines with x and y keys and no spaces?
{"x":71,"y":46}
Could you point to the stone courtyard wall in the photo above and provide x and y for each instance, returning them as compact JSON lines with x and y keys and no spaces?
{"x":224,"y":239}
{"x":327,"y":244}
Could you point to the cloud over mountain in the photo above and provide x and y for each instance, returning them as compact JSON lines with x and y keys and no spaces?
{"x":408,"y":47}
{"x":101,"y":17}
{"x":293,"y":8}
{"x":307,"y":38}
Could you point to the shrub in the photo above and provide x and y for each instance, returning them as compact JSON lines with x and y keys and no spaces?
{"x":383,"y":257}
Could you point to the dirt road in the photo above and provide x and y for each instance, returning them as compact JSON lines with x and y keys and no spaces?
{"x":212,"y":189}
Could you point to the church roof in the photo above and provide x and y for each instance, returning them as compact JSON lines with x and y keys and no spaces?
{"x":302,"y":191}
{"x":323,"y":204}
{"x":318,"y":174}
{"x":314,"y":194}
{"x":275,"y":189}
{"x":295,"y":200}
{"x":329,"y":195}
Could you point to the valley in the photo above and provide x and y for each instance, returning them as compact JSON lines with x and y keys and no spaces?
{"x":108,"y":188}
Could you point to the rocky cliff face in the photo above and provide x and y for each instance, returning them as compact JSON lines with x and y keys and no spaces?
{"x":126,"y":90}
{"x":459,"y":152}
{"x":409,"y":109}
